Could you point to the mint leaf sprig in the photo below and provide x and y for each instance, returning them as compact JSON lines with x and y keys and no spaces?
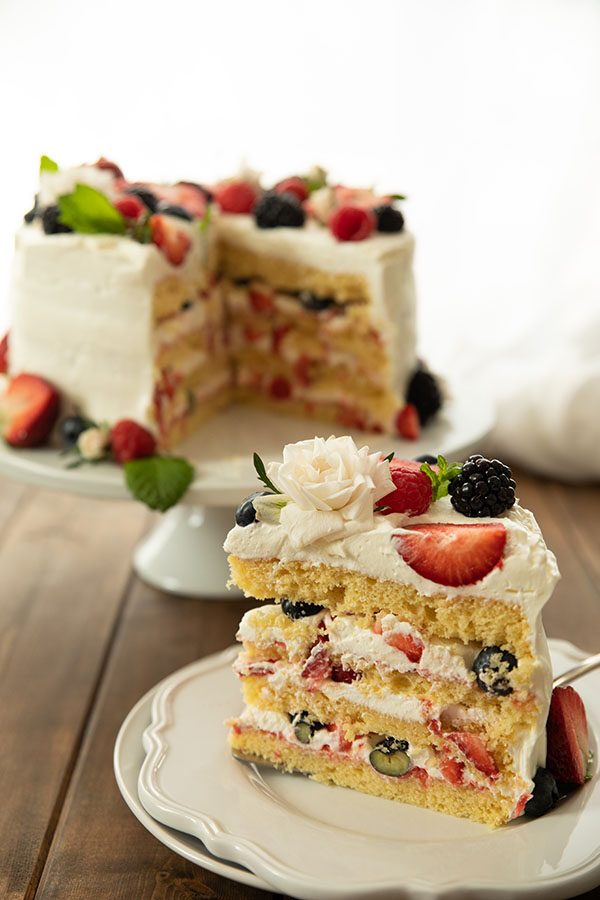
{"x":47,"y":164}
{"x":262,"y":474}
{"x":90,"y":212}
{"x":440,"y":480}
{"x":158,"y":481}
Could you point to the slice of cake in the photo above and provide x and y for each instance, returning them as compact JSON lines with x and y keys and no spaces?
{"x":143,"y":301}
{"x":401,"y":650}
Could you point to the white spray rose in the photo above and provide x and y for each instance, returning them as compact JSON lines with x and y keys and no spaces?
{"x":332,"y":485}
{"x":93,"y":443}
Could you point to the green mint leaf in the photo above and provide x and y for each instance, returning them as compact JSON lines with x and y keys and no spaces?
{"x":204,"y":222}
{"x":158,"y":481}
{"x":48,"y":165}
{"x":389,"y":457}
{"x":440,"y":480}
{"x":262,"y":474}
{"x":397,"y":196}
{"x":88,"y":211}
{"x":141,"y":230}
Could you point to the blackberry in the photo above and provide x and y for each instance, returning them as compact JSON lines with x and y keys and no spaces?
{"x":545,"y":794}
{"x":245,"y":514}
{"x":424,"y":393}
{"x":428,"y":458}
{"x":313,"y":303}
{"x":50,"y":221}
{"x":483,"y":488}
{"x":173,"y":209}
{"x":147,"y":197}
{"x":278,"y":211}
{"x":299,"y":609}
{"x":491,"y":666}
{"x":388,"y":218}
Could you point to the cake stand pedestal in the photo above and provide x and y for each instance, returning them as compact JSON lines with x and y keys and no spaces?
{"x":183,"y":553}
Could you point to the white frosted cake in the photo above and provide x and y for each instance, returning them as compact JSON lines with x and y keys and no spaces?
{"x":145,"y":301}
{"x":400,"y":650}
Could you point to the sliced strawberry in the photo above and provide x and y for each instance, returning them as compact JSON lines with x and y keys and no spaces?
{"x":475,"y":750}
{"x":4,"y":355}
{"x":420,"y":774}
{"x":411,"y":646}
{"x":293,"y":185}
{"x":173,"y":242}
{"x":451,"y":769}
{"x":413,"y":489}
{"x":235,"y":196}
{"x":318,"y":664}
{"x":261,"y":301}
{"x":340,"y":673}
{"x":567,"y":736}
{"x":451,"y":554}
{"x":280,"y":388}
{"x":408,"y":424}
{"x":29,"y":409}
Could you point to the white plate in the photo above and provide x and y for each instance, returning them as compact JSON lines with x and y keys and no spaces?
{"x":327,"y":843}
{"x":222,"y":450}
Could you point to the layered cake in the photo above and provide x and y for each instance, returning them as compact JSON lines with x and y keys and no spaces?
{"x":400,"y":648}
{"x":163,"y":303}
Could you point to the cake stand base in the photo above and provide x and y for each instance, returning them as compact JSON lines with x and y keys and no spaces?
{"x":183,"y":554}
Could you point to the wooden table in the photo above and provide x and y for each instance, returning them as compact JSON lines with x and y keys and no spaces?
{"x":82,"y":639}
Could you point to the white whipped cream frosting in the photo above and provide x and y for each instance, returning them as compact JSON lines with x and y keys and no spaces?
{"x":55,"y":184}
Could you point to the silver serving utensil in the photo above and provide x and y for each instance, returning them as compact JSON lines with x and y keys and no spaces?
{"x":592,"y":662}
{"x":260,"y":762}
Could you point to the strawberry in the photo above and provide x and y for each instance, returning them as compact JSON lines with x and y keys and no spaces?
{"x":128,"y":440}
{"x":347,"y":676}
{"x":410,"y":645}
{"x":280,"y":388}
{"x":236,"y":196}
{"x":4,"y":355}
{"x":192,"y":197}
{"x":130,"y":206}
{"x":408,"y":424}
{"x":351,"y":223}
{"x":261,"y":301}
{"x":29,"y":409}
{"x":451,"y":769}
{"x":451,"y":554}
{"x":318,"y":664}
{"x":173,"y":242}
{"x":413,"y":489}
{"x":294,"y":185}
{"x":567,"y":736}
{"x":104,"y":163}
{"x":475,"y":750}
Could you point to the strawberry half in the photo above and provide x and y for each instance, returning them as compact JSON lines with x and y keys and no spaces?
{"x":567,"y":736}
{"x":408,"y":424}
{"x":413,"y":489}
{"x":451,"y":554}
{"x":4,"y":355}
{"x":451,"y":769}
{"x":29,"y":409}
{"x":173,"y":242}
{"x":475,"y":750}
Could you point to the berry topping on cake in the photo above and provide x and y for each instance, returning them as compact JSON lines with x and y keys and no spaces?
{"x":473,"y":746}
{"x":567,"y":736}
{"x":235,"y":196}
{"x":389,"y":757}
{"x":483,"y":487}
{"x":70,"y":429}
{"x":278,"y":211}
{"x":294,"y":185}
{"x":453,"y":555}
{"x":305,"y":725}
{"x":342,"y":674}
{"x":130,"y":206}
{"x":352,"y":223}
{"x":28,"y":410}
{"x":104,"y":163}
{"x":173,"y":242}
{"x":128,"y":441}
{"x":172,"y":209}
{"x":492,"y":666}
{"x":51,"y":223}
{"x":424,"y":393}
{"x":413,"y":489}
{"x":299,"y":609}
{"x":407,"y":422}
{"x":4,"y":355}
{"x":149,"y":199}
{"x":245,"y":514}
{"x":389,"y":219}
{"x":545,"y":794}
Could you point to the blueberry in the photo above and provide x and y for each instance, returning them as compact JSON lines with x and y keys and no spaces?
{"x":428,"y":458}
{"x":172,"y":209}
{"x":245,"y":514}
{"x":491,"y":666}
{"x":278,"y":211}
{"x":389,"y":757}
{"x":147,"y":197}
{"x":50,"y":221}
{"x":545,"y":794}
{"x":70,"y":428}
{"x":299,"y":609}
{"x":305,"y":725}
{"x":388,"y":218}
{"x":313,"y":303}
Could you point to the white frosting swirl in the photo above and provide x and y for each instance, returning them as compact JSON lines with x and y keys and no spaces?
{"x":55,"y":184}
{"x":333,"y":488}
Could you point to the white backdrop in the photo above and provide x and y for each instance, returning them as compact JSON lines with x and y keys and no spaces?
{"x":484,"y":113}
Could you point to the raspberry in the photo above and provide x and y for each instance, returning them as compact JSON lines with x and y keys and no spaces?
{"x":128,"y":441}
{"x":483,"y":488}
{"x":413,"y":489}
{"x":408,"y":425}
{"x":294,"y":185}
{"x":130,"y":206}
{"x":351,"y":223}
{"x":236,"y":196}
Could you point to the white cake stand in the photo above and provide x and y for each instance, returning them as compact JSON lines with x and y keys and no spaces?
{"x":183,"y":552}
